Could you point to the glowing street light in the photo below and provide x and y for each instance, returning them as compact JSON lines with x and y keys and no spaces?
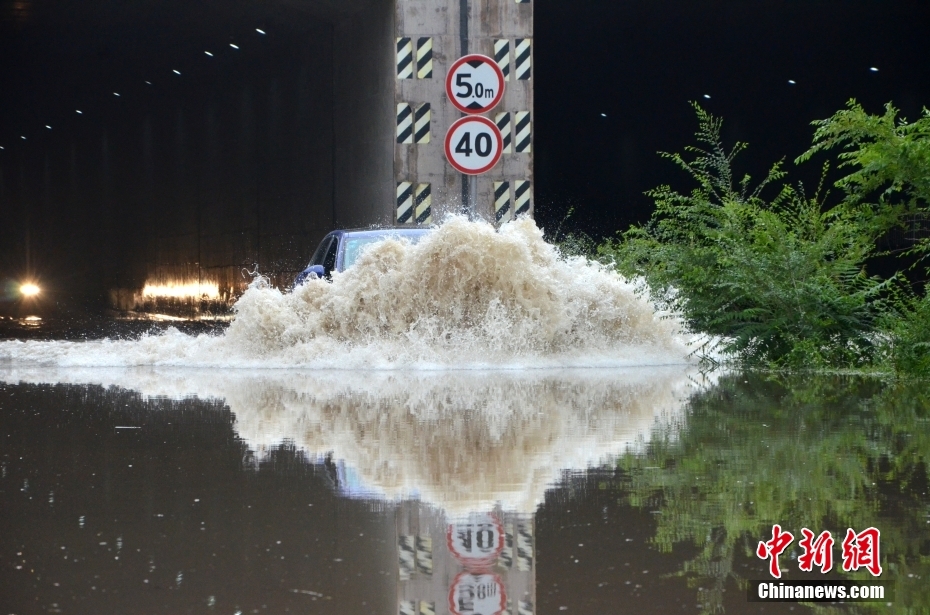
{"x":29,"y":289}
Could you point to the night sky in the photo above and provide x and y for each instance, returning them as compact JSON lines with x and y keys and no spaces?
{"x":612,"y":83}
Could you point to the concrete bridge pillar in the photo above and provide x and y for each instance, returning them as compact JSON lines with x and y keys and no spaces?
{"x":430,"y":36}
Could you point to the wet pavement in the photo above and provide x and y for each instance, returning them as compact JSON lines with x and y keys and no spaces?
{"x":595,"y":491}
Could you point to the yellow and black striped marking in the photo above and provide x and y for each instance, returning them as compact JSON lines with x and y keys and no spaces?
{"x":502,"y":56}
{"x":424,"y":543}
{"x":404,"y":123}
{"x":521,"y":205}
{"x":523,"y":61}
{"x":427,"y":608}
{"x":425,"y":57}
{"x":404,"y":214}
{"x":524,"y":607}
{"x":503,"y":124}
{"x":404,"y":58}
{"x":523,"y":141}
{"x":424,"y":215}
{"x":524,"y":535}
{"x":405,"y":556}
{"x":407,"y":607}
{"x":421,"y":124}
{"x":506,"y":558}
{"x":502,"y":211}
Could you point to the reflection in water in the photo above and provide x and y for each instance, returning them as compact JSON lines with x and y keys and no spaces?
{"x":462,"y":441}
{"x":466,"y":457}
{"x":826,"y":453}
{"x":445,"y":493}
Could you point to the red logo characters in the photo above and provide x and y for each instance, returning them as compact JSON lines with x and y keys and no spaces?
{"x":859,"y":550}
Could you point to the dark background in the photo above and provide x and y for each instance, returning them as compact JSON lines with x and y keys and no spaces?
{"x":641,"y":62}
{"x":232,"y":130}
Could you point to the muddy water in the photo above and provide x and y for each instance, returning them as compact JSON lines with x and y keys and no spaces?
{"x":472,"y":425}
{"x":638,"y":490}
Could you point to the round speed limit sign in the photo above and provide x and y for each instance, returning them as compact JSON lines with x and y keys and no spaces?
{"x":475,"y":84}
{"x":473,"y":145}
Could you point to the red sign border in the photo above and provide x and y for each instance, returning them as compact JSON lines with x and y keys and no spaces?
{"x":498,"y":579}
{"x":500,"y":77}
{"x":497,"y":134}
{"x":480,"y":563}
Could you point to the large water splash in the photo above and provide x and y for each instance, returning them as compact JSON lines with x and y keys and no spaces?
{"x":466,"y":296}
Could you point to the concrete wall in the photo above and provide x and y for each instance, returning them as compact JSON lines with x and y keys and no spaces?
{"x":363,"y":112}
{"x":310,"y":152}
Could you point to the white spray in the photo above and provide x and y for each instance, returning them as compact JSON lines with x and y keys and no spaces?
{"x":466,"y":296}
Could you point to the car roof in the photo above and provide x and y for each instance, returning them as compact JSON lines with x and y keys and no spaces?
{"x":380,"y":232}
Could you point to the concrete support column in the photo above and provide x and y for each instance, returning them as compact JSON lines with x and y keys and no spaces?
{"x":430,"y":35}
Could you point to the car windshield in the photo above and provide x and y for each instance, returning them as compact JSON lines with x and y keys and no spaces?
{"x":355,"y":245}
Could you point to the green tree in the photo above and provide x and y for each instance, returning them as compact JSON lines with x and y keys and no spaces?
{"x":888,"y":187}
{"x":890,"y":163}
{"x":778,"y":282}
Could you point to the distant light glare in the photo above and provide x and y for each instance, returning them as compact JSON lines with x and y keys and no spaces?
{"x":47,"y":126}
{"x":791,"y":81}
{"x":115,"y":93}
{"x":176,"y":72}
{"x":182,"y":290}
{"x":208,"y":53}
{"x":873,"y":69}
{"x":260,"y":31}
{"x":603,"y":115}
{"x":706,"y":95}
{"x":148,"y":82}
{"x":22,"y":137}
{"x":79,"y":112}
{"x":234,"y":46}
{"x":29,"y":289}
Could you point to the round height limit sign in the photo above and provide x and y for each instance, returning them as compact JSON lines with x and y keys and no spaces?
{"x":474,"y":84}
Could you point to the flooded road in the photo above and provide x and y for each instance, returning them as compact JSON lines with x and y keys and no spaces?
{"x":609,"y":491}
{"x":472,"y":425}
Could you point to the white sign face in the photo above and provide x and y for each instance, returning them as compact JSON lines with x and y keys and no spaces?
{"x":477,"y":594}
{"x":475,"y":84}
{"x":477,"y":542}
{"x":473,"y":145}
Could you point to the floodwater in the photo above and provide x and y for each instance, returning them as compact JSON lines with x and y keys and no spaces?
{"x":606,"y":491}
{"x":327,"y":453}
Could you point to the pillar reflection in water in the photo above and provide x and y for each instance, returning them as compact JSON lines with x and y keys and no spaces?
{"x":480,"y":564}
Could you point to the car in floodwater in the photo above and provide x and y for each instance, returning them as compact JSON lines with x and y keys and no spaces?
{"x":341,"y":248}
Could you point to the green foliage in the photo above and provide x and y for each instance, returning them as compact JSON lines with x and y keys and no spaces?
{"x":891,"y":162}
{"x":889,"y":186}
{"x":781,"y":281}
{"x":909,"y":337}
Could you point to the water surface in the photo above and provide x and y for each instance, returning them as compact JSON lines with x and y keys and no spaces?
{"x":639,"y":490}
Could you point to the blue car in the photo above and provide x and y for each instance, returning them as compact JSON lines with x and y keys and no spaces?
{"x":340,"y":249}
